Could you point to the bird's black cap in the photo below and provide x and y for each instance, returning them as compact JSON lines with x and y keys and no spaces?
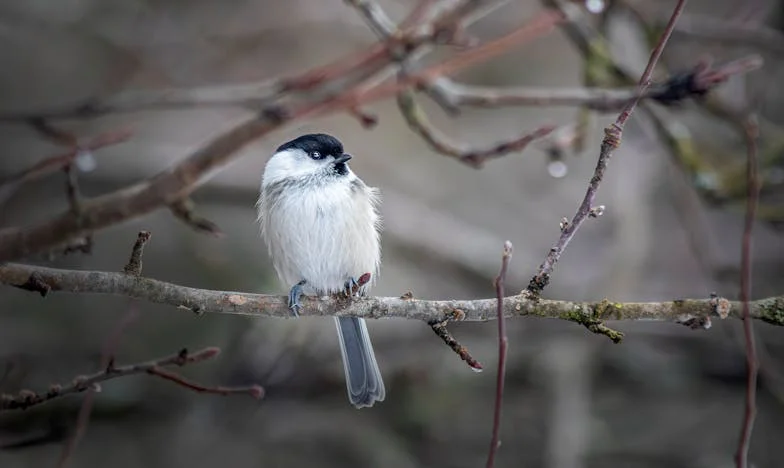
{"x":321,"y":142}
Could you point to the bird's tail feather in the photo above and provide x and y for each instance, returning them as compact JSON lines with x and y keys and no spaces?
{"x":363,"y":378}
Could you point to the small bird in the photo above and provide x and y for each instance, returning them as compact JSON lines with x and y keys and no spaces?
{"x":321,"y":225}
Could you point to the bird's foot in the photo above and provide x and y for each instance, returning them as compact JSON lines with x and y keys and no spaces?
{"x":351,"y":287}
{"x":294,"y":294}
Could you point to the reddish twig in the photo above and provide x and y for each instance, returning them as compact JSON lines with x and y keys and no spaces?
{"x":26,"y":398}
{"x":502,"y":344}
{"x":254,"y":390}
{"x":610,"y":143}
{"x":752,"y":362}
{"x":537,"y":27}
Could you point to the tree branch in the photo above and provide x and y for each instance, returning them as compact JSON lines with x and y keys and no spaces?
{"x":770,"y":310}
{"x":27,"y":398}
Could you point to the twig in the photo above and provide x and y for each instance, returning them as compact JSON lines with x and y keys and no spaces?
{"x":134,"y":265}
{"x":695,"y":83}
{"x":185,"y":212}
{"x":610,"y":143}
{"x":439,"y":328}
{"x":27,"y":398}
{"x":475,"y":157}
{"x":495,"y":442}
{"x":752,"y":362}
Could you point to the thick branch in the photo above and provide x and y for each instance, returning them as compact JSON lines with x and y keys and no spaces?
{"x":770,"y":310}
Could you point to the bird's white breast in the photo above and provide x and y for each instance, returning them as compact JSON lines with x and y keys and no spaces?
{"x":323,"y":234}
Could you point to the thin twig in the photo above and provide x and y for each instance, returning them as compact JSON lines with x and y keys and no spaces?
{"x":694,"y":83}
{"x":134,"y":265}
{"x":475,"y":157}
{"x":503,"y":340}
{"x":26,"y":398}
{"x":439,"y":328}
{"x":184,"y":210}
{"x":752,"y":362}
{"x":42,"y":279}
{"x":610,"y":143}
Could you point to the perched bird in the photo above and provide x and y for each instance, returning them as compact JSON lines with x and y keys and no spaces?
{"x":321,"y":226}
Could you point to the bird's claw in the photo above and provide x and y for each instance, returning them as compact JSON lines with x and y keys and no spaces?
{"x":350,"y":285}
{"x":294,"y":294}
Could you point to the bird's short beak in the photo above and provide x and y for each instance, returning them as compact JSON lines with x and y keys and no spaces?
{"x":342,"y":158}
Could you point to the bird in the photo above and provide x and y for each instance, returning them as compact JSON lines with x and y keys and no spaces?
{"x":322,"y":227}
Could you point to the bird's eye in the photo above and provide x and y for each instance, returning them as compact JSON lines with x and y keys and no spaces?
{"x":315,"y":155}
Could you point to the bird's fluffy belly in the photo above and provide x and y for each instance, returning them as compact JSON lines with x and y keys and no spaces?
{"x":326,"y":241}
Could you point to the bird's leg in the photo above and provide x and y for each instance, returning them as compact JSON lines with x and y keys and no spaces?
{"x":294,"y":294}
{"x":350,"y":285}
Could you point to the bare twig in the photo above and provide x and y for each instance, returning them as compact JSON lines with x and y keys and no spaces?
{"x":474,"y":157}
{"x":495,"y":442}
{"x":27,"y":398}
{"x":611,"y":142}
{"x":770,"y":310}
{"x":439,"y":328}
{"x":134,"y":265}
{"x":752,"y":362}
{"x":185,"y":212}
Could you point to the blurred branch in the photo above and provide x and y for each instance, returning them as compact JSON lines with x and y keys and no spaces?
{"x":26,"y":398}
{"x":475,"y":157}
{"x":40,"y":279}
{"x":176,"y":183}
{"x":55,"y":163}
{"x":714,"y":29}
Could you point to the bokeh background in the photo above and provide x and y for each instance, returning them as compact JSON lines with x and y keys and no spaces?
{"x":667,"y":396}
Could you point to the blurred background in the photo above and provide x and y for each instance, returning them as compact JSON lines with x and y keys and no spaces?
{"x":666,"y":396}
